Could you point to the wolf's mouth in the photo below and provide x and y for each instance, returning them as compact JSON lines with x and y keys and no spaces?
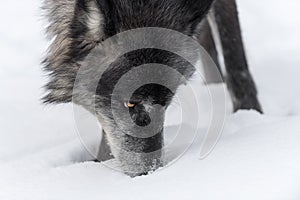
{"x":138,"y":156}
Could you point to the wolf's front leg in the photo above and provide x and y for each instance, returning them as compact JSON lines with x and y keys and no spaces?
{"x":238,"y":78}
{"x":104,"y":150}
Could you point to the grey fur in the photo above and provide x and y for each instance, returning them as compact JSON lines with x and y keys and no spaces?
{"x":77,"y":29}
{"x":60,"y":64}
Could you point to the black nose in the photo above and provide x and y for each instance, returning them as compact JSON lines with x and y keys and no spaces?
{"x":140,"y":116}
{"x":143,"y":119}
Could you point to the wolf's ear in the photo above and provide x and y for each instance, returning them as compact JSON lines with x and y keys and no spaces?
{"x":75,"y":27}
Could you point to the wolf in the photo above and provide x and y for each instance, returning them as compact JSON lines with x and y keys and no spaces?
{"x":77,"y":27}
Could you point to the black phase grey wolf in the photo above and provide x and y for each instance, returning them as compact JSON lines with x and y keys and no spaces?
{"x":77,"y":27}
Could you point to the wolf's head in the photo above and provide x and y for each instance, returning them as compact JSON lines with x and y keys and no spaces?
{"x":132,"y":115}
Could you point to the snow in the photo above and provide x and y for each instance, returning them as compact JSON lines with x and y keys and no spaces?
{"x":257,"y":157}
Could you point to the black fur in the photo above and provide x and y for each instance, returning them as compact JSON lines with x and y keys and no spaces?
{"x":238,"y":79}
{"x":76,"y":32}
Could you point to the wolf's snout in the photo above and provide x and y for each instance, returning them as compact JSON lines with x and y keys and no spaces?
{"x":139,"y":156}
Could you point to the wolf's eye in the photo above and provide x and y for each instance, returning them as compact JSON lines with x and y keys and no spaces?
{"x":129,"y":105}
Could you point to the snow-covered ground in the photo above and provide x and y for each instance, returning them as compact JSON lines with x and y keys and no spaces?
{"x":257,"y":157}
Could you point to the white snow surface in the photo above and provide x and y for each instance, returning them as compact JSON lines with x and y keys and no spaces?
{"x":257,"y":157}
